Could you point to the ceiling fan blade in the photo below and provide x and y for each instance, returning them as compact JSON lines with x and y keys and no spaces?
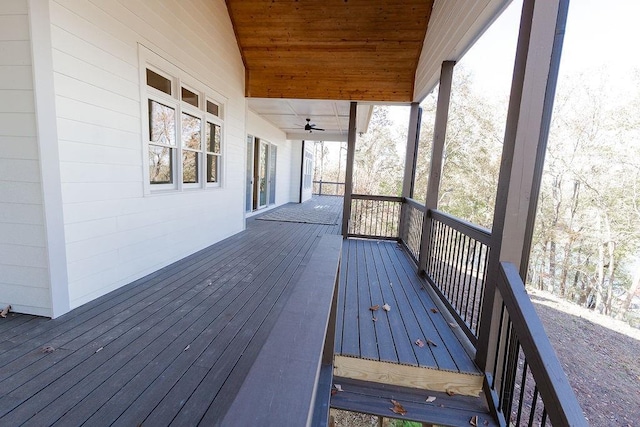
{"x":318,"y":129}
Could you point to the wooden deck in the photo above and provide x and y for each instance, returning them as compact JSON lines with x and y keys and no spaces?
{"x":174,"y":347}
{"x":381,"y":346}
{"x":169,"y":349}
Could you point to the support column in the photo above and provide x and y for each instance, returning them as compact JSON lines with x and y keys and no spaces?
{"x":528,"y":118}
{"x":348,"y":172}
{"x":411,"y":157}
{"x":437,"y":154}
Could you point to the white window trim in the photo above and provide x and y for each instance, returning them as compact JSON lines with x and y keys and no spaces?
{"x":179,"y":78}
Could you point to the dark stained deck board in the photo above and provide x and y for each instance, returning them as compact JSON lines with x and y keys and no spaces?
{"x":349,"y":314}
{"x":441,"y":322}
{"x":414,"y":327}
{"x":143,"y":329}
{"x":392,"y":279}
{"x":58,"y":355}
{"x":366,"y":325}
{"x":402,"y":340}
{"x":109,"y":306}
{"x":190,"y":356}
{"x":386,"y":352}
{"x":105,"y":354}
{"x":444,"y":411}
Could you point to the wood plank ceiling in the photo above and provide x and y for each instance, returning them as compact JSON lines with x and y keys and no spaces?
{"x":358,"y":50}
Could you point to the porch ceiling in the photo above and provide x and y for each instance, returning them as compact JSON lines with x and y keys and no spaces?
{"x":359,"y":50}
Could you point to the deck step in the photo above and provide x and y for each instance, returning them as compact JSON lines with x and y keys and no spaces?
{"x":417,"y":377}
{"x":445,"y":410}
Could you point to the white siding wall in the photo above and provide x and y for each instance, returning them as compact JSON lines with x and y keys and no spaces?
{"x":24,"y":275}
{"x":264,"y":130}
{"x":114,"y":233}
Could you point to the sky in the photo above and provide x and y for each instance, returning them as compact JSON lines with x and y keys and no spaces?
{"x":599,"y":35}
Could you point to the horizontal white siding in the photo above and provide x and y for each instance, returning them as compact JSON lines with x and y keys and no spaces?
{"x":24,"y":274}
{"x":114,"y":233}
{"x":454,"y":26}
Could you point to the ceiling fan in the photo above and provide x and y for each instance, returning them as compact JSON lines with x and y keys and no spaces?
{"x":311,"y":127}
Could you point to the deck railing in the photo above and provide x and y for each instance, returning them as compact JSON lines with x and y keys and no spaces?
{"x":411,"y":233}
{"x":527,"y":383}
{"x":456,"y":266}
{"x":328,"y":188}
{"x":376,"y":217}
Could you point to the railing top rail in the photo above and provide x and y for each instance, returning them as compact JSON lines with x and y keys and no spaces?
{"x":480,"y":234}
{"x":328,"y":182}
{"x":415,"y":204}
{"x":378,"y":198}
{"x":560,"y":401}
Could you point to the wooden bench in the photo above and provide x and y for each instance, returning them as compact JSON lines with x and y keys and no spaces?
{"x":290,"y":381}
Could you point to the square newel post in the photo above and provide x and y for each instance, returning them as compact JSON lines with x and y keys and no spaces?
{"x":437,"y":153}
{"x":530,"y":105}
{"x":413,"y":139}
{"x":348,"y":172}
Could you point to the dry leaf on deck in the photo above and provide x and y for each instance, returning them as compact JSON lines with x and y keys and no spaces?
{"x":374,"y":307}
{"x":5,"y":311}
{"x":47,"y":349}
{"x":453,"y":325}
{"x":431,"y":399}
{"x":419,"y":343}
{"x":386,"y":307}
{"x":431,"y":343}
{"x":435,"y":310}
{"x":398,"y":408}
{"x":338,"y":387}
{"x":100,"y":349}
{"x":375,"y":319}
{"x":450,"y":393}
{"x":474,"y":421}
{"x":187,"y":347}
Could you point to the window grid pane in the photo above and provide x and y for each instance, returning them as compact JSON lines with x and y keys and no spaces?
{"x":159,"y":82}
{"x":190,"y":167}
{"x":162,"y":123}
{"x":160,"y":165}
{"x":213,"y":144}
{"x":212,"y":168}
{"x":189,"y":97}
{"x":213,"y":108}
{"x":190,"y":131}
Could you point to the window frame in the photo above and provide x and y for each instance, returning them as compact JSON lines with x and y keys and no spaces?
{"x":180,"y":79}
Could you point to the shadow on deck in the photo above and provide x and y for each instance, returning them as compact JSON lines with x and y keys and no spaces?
{"x":174,"y":347}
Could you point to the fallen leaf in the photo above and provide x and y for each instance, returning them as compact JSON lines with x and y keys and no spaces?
{"x":100,"y":349}
{"x":5,"y":311}
{"x":187,"y":347}
{"x":453,"y":325}
{"x":431,"y":399}
{"x":47,"y":349}
{"x":374,"y":307}
{"x":375,"y":319}
{"x":485,"y":422}
{"x":338,"y":387}
{"x":474,"y":421}
{"x":398,"y":408}
{"x":431,"y":343}
{"x":386,"y":307}
{"x":450,"y":393}
{"x":419,"y":343}
{"x":435,"y":310}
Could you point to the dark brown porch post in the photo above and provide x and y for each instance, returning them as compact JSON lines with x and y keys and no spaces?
{"x":531,"y":102}
{"x":413,"y":138}
{"x":348,"y":172}
{"x":437,"y":153}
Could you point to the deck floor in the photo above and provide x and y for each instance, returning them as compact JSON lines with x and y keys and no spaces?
{"x":169,"y":349}
{"x":174,"y":347}
{"x":380,"y":272}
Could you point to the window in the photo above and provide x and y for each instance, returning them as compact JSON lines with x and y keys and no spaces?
{"x":185,"y":138}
